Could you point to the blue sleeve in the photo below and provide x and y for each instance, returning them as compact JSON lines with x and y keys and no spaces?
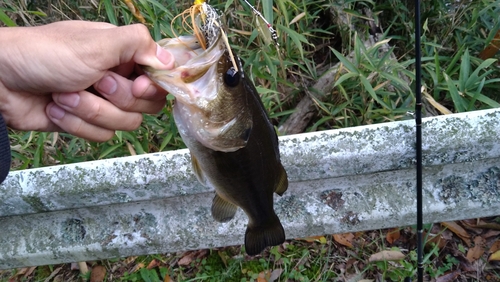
{"x":5,"y":157}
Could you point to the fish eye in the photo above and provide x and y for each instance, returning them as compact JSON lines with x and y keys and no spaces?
{"x":232,"y":77}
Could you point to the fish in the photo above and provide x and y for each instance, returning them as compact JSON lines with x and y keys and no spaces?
{"x":232,"y":143}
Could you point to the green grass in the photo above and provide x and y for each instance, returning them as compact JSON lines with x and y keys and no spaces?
{"x":371,"y":87}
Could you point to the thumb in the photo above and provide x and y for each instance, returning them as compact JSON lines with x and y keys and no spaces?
{"x":134,"y":43}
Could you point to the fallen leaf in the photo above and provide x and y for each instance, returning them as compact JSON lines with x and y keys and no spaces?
{"x":167,"y":278}
{"x":98,"y":273}
{"x":448,"y":277}
{"x":344,"y":239}
{"x":134,"y":10}
{"x":491,"y":233}
{"x":53,"y":274}
{"x":275,"y":274}
{"x":190,"y":256}
{"x":442,"y":109}
{"x":386,"y":255}
{"x":471,"y":225}
{"x":478,"y":250}
{"x":129,"y":260}
{"x":492,"y":48}
{"x":137,"y":267}
{"x":495,"y":247}
{"x":269,"y":276}
{"x":459,"y":231}
{"x":434,"y":240}
{"x":314,"y":239}
{"x":495,"y":256}
{"x":186,"y":259}
{"x":488,"y":225}
{"x":154,"y":263}
{"x":30,"y":270}
{"x":393,"y":235}
{"x":264,"y":276}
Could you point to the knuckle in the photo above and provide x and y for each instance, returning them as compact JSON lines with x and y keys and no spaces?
{"x":105,"y":136}
{"x":135,"y":122}
{"x":93,"y":112}
{"x":140,"y":30}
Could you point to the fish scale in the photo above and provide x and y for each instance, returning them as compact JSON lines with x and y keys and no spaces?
{"x":222,"y":121}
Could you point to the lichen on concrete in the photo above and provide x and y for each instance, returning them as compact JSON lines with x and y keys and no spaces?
{"x":339,"y":181}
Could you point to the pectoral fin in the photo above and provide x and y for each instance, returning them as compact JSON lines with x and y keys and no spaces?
{"x":282,"y":182}
{"x":198,"y":171}
{"x":222,"y":210}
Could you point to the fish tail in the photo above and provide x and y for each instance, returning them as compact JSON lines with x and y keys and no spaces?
{"x":258,"y":237}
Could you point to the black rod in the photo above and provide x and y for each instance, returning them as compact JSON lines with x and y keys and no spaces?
{"x":418,"y":122}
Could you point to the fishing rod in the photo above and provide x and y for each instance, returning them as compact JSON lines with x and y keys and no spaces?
{"x":418,"y":143}
{"x":418,"y":123}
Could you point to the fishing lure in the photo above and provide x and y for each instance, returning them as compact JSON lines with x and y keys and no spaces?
{"x":265,"y":28}
{"x":205,"y":22}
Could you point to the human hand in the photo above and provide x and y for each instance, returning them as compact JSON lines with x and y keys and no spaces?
{"x":46,"y":73}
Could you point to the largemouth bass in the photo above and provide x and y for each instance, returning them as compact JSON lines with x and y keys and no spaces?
{"x":222,"y":120}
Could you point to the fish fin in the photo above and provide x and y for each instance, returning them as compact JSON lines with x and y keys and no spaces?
{"x":222,"y":210}
{"x":258,"y":237}
{"x":198,"y":171}
{"x":282,"y":184}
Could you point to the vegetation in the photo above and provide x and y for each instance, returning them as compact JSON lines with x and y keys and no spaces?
{"x":372,"y":84}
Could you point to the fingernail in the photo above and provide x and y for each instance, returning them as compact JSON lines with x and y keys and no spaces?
{"x":56,"y":112}
{"x":69,"y":99}
{"x":107,"y":85}
{"x":164,"y":56}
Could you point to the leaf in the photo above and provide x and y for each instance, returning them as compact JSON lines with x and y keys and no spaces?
{"x":268,"y":276}
{"x":186,"y":259}
{"x":352,"y":68}
{"x":134,"y":10}
{"x":313,"y":239}
{"x":190,"y":256}
{"x":438,"y":240}
{"x":267,"y":9}
{"x":110,"y":12}
{"x":6,"y":20}
{"x":495,"y":247}
{"x":344,"y":239}
{"x":495,"y":256}
{"x":149,"y":275}
{"x":297,"y":18}
{"x":129,"y":260}
{"x":275,"y":274}
{"x":167,"y":279}
{"x":98,"y":273}
{"x":137,"y":267}
{"x":154,"y":263}
{"x":492,"y":48}
{"x":296,"y":37}
{"x":455,"y":95}
{"x":371,"y":91}
{"x":442,"y":109}
{"x":392,"y":235}
{"x":477,"y":251}
{"x":449,"y":277}
{"x":459,"y":231}
{"x":387,"y":255}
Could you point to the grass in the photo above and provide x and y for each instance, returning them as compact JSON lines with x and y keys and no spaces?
{"x":369,"y":88}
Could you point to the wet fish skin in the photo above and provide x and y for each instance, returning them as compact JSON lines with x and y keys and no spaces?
{"x":242,"y":163}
